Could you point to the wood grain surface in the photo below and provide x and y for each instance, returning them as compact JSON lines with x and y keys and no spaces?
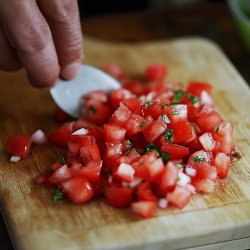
{"x":35,"y":222}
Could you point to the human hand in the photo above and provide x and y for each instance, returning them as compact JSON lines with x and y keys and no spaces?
{"x":43,"y":36}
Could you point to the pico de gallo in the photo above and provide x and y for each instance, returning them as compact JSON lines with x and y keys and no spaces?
{"x":142,"y":146}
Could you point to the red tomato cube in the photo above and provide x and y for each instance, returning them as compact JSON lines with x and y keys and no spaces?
{"x":19,"y":145}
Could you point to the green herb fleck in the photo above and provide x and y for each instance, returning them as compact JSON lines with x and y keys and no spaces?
{"x":193,"y":99}
{"x":61,"y":160}
{"x":151,"y":147}
{"x":142,"y":125}
{"x":58,"y":194}
{"x":168,"y":134}
{"x":165,"y":105}
{"x":178,"y":95}
{"x":92,"y":109}
{"x":139,"y":151}
{"x":148,"y":104}
{"x":165,"y":119}
{"x":198,"y":158}
{"x":128,"y":147}
{"x":216,"y":128}
{"x":175,"y":111}
{"x":165,"y":156}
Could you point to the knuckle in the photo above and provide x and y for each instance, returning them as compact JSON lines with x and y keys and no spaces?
{"x":31,"y":38}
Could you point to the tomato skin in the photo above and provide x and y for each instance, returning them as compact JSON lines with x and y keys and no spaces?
{"x":120,"y":197}
{"x":179,"y":197}
{"x":156,"y":71}
{"x":195,"y":88}
{"x":91,"y":171}
{"x":118,"y":95}
{"x":114,"y":133}
{"x":222,"y":163}
{"x":131,"y":103}
{"x":144,"y":192}
{"x":61,"y":116}
{"x":78,"y":190}
{"x":154,"y":110}
{"x":145,"y":209}
{"x":175,"y":151}
{"x":114,"y":70}
{"x":210,"y":121}
{"x":133,"y":125}
{"x":182,"y":131}
{"x":19,"y":145}
{"x":60,"y":136}
{"x":134,"y":87}
{"x":153,"y":131}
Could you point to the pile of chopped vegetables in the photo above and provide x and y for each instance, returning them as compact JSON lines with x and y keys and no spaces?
{"x":142,"y":146}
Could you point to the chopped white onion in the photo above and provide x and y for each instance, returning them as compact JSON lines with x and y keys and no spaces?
{"x":39,"y":137}
{"x":15,"y":158}
{"x":206,"y":98}
{"x":81,"y":131}
{"x":135,"y":182}
{"x":190,"y":171}
{"x":126,"y":170}
{"x":162,"y":203}
{"x":183,"y":179}
{"x":191,"y":188}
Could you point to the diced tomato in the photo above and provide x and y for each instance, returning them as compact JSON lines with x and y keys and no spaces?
{"x":78,"y":190}
{"x":153,"y":109}
{"x":114,"y":132}
{"x":97,"y":112}
{"x":206,"y":172}
{"x":134,"y":87}
{"x":19,"y":145}
{"x":120,"y":197}
{"x":145,"y":209}
{"x":199,"y":158}
{"x":144,"y":192}
{"x":209,"y":121}
{"x":182,"y":131}
{"x":222,"y":163}
{"x":169,"y":177}
{"x":89,"y":153}
{"x":175,"y":151}
{"x":118,"y":95}
{"x":153,"y":131}
{"x":60,"y":136}
{"x":179,"y":197}
{"x":135,"y":124}
{"x":176,"y":113}
{"x":156,"y":71}
{"x":195,"y":88}
{"x":124,"y":172}
{"x":205,"y":186}
{"x":114,"y":70}
{"x":61,"y":175}
{"x":207,"y":141}
{"x":121,"y":116}
{"x":114,"y":148}
{"x":132,"y":103}
{"x":97,"y":95}
{"x":91,"y":170}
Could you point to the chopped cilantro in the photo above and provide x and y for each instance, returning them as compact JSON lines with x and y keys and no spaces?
{"x":175,"y":111}
{"x":165,"y":105}
{"x":151,"y":147}
{"x":193,"y":99}
{"x":61,"y":160}
{"x":216,"y":128}
{"x":168,"y":134}
{"x":92,"y":109}
{"x":165,"y":119}
{"x":165,"y":157}
{"x":128,"y":147}
{"x":178,"y":95}
{"x":142,"y":125}
{"x":148,"y":104}
{"x":139,"y":151}
{"x":58,"y":194}
{"x":198,"y":158}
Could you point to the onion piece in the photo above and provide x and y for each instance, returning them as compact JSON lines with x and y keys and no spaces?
{"x":39,"y":137}
{"x":190,"y":171}
{"x":15,"y":158}
{"x":162,"y":203}
{"x":81,"y":131}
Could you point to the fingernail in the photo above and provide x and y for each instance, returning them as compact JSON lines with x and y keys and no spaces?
{"x":70,"y":71}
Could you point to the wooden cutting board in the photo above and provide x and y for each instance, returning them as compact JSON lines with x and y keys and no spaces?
{"x":35,"y":222}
